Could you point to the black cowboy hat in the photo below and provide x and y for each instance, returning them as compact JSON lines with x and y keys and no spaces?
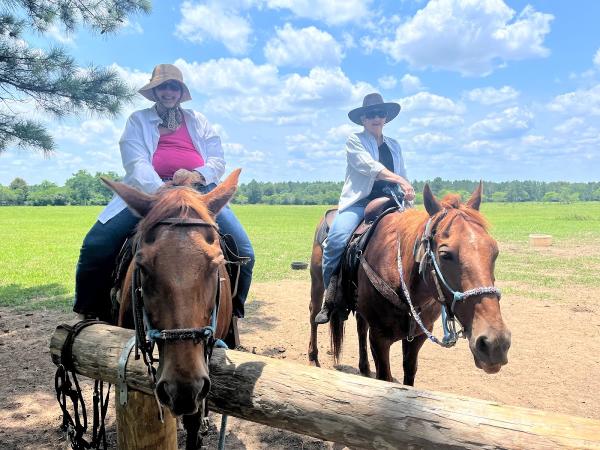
{"x":374,"y":102}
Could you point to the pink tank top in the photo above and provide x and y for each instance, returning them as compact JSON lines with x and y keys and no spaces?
{"x":176,"y":151}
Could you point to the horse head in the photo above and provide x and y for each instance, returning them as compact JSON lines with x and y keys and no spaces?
{"x":180,"y":270}
{"x":465,"y":254}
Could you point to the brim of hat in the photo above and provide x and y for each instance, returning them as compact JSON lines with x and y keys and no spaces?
{"x":148,"y":90}
{"x":391,"y":111}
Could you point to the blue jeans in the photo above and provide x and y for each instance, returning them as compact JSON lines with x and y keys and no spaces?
{"x":341,"y":230}
{"x":101,"y":246}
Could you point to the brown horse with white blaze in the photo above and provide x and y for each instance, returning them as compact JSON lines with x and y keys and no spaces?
{"x":184,"y":289}
{"x":464,"y":253}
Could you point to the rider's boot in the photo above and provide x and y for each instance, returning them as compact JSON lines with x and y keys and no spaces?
{"x":328,"y":302}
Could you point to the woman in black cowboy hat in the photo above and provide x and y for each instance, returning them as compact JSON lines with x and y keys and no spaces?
{"x":374,"y":161}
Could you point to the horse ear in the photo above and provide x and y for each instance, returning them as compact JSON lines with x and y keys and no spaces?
{"x":432,"y":206}
{"x":475,"y":199}
{"x":139,"y":202}
{"x":216,"y":199}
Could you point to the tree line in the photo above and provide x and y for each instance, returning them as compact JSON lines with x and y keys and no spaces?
{"x":83,"y":188}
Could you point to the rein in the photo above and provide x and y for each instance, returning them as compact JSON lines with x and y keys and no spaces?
{"x":448,"y":318}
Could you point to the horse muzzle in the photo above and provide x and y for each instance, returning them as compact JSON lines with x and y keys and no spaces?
{"x":183,"y":398}
{"x":490,"y":350}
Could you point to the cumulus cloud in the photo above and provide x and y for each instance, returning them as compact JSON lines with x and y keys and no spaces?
{"x":426,"y":101}
{"x":470,"y":37}
{"x":492,"y":96}
{"x":429,"y":140}
{"x":295,"y":98}
{"x":570,"y":125}
{"x":305,"y":47}
{"x":581,"y":102}
{"x":436,"y":121}
{"x":213,"y":21}
{"x":510,"y":123}
{"x":387,"y":82}
{"x":228,"y":76}
{"x":597,"y":58}
{"x":332,"y":12}
{"x":410,"y":84}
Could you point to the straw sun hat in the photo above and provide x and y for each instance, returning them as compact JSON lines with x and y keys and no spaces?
{"x":374,"y":102}
{"x":160,"y":74}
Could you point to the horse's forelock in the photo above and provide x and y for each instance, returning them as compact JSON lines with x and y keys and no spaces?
{"x":183,"y":202}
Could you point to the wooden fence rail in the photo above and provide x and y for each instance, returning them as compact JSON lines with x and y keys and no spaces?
{"x":348,"y":409}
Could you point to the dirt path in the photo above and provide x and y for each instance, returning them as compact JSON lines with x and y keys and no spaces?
{"x":553,"y":364}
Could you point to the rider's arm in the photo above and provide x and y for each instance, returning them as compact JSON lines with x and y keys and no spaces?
{"x":214,"y":164}
{"x":360,"y":159}
{"x":137,"y":158}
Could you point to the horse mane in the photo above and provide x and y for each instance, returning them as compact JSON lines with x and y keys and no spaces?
{"x":181,"y":202}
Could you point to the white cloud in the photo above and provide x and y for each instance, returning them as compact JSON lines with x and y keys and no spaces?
{"x":306,"y":47}
{"x":129,"y":27}
{"x":436,"y":121}
{"x":597,"y":58}
{"x":295,"y":98}
{"x":213,"y":21}
{"x":429,"y":140}
{"x":60,"y":35}
{"x":332,"y":12}
{"x":492,"y":96}
{"x":228,"y":76}
{"x":512,"y":122}
{"x":387,"y":82}
{"x":570,"y":125}
{"x":581,"y":102}
{"x":425,"y":101}
{"x":470,"y":37}
{"x":342,"y":131}
{"x":410,"y":84}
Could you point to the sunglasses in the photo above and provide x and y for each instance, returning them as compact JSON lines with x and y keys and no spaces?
{"x":375,"y":113}
{"x":170,"y":85}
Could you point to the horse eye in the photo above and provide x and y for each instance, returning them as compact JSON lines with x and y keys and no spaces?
{"x":444,"y":254}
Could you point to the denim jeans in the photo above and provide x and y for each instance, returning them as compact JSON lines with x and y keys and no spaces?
{"x":341,"y":230}
{"x":101,"y":246}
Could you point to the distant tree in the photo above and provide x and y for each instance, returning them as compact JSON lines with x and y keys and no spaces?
{"x":82,"y":187}
{"x":551,"y":197}
{"x":499,"y":196}
{"x":7,"y":196}
{"x":50,"y":78}
{"x":20,"y":189}
{"x":254,"y":192}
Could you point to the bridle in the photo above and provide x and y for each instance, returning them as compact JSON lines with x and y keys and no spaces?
{"x":146,"y":336}
{"x":423,"y":249}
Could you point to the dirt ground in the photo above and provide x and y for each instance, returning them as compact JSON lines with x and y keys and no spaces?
{"x":553,"y":364}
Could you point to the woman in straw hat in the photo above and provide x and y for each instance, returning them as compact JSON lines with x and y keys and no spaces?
{"x":374,"y":161}
{"x":160,"y":143}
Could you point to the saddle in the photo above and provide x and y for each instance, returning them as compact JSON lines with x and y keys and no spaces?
{"x":357,"y":244}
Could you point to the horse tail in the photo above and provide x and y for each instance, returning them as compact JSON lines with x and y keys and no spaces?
{"x":336,"y":334}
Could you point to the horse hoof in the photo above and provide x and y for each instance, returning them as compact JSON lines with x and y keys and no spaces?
{"x":314,"y":363}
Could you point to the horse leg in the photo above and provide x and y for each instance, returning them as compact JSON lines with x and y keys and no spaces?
{"x":362,"y":327}
{"x":410,"y":354}
{"x":380,"y":349}
{"x":316,"y":300}
{"x":191,"y":424}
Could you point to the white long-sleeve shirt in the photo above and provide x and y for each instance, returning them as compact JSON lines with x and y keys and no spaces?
{"x":362,"y":155}
{"x":138,"y":144}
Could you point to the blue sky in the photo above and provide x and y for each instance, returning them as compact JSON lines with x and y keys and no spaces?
{"x":490,"y":89}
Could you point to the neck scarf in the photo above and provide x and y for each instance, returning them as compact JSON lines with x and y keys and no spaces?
{"x":171,"y":117}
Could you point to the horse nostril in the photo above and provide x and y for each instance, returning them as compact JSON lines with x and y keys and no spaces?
{"x":203,"y":392}
{"x":482,"y":345}
{"x":162,"y":393}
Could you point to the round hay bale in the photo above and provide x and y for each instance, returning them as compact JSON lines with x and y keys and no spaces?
{"x":540,"y":240}
{"x":298,"y":265}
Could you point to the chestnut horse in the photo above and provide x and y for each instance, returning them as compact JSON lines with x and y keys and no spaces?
{"x":182,"y":301}
{"x":451,"y":237}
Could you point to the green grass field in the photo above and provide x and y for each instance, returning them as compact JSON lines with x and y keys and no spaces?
{"x":39,"y":247}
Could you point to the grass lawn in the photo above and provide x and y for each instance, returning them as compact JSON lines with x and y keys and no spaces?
{"x":39,"y":247}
